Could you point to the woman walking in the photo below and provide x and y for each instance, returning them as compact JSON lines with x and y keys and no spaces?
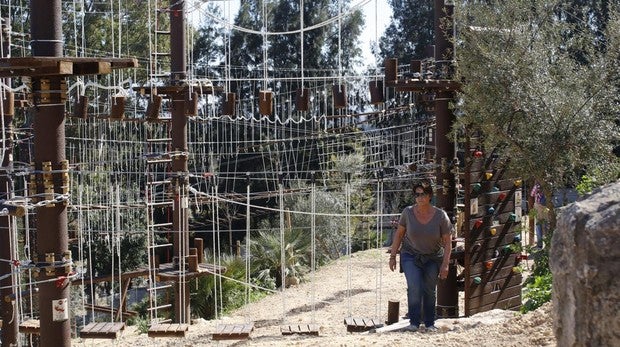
{"x":424,"y":236}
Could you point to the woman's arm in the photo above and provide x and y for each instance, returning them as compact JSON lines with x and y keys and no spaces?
{"x":398,"y":238}
{"x":447,"y":250}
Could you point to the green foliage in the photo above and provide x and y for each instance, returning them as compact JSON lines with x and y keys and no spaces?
{"x":231,"y":294}
{"x":598,"y":176}
{"x":267,"y":257}
{"x":284,"y":51}
{"x":586,"y":185}
{"x":141,"y":323}
{"x":537,"y":293}
{"x":540,"y":86}
{"x":409,"y":31}
{"x":538,"y":285}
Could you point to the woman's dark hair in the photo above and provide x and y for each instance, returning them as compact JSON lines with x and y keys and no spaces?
{"x":427,"y":187}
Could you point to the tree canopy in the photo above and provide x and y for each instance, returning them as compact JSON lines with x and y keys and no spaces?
{"x":540,"y":81}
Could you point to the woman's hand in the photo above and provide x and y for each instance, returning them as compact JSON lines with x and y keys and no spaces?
{"x":392,"y":263}
{"x":443,"y":271}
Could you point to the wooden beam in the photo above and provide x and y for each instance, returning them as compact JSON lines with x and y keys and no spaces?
{"x":62,"y":66}
{"x":92,"y":68}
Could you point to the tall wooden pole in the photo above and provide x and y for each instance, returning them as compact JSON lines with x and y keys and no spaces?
{"x":8,"y":313}
{"x":49,"y":147}
{"x":179,"y":159}
{"x":447,"y":292}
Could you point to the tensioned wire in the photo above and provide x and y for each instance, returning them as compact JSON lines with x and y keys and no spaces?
{"x":279,"y":210}
{"x":288,"y":32}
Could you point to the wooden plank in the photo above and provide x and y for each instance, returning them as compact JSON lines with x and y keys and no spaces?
{"x":30,"y":326}
{"x":486,"y":186}
{"x":301,"y":329}
{"x":62,"y":66}
{"x":232,"y":331}
{"x":168,"y":330}
{"x":496,"y":296}
{"x":513,"y":303}
{"x":491,"y":285}
{"x":412,"y":85}
{"x":491,"y":248}
{"x":106,"y":330}
{"x":506,"y":207}
{"x":107,"y":309}
{"x":92,"y":68}
{"x":358,"y":324}
{"x":478,"y":268}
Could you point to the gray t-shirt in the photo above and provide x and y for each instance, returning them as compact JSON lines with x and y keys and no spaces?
{"x":421,"y":238}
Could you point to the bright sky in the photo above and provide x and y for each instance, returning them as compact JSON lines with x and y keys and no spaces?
{"x":377,"y":16}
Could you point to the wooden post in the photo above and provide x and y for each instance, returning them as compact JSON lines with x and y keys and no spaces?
{"x":180,"y":184}
{"x":391,"y":69}
{"x":199,"y":244}
{"x":7,"y":249}
{"x":447,"y":291}
{"x":122,"y":307}
{"x":393,"y":312}
{"x":49,"y":147}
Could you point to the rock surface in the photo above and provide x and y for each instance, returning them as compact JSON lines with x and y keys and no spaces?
{"x":585,"y":262}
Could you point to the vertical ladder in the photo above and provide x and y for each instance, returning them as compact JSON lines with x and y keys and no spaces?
{"x":157,"y":198}
{"x":160,"y":49}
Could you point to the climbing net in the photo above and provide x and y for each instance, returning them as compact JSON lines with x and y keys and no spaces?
{"x":119,"y":168}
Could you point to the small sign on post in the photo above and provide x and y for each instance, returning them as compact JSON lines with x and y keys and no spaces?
{"x":60,"y":310}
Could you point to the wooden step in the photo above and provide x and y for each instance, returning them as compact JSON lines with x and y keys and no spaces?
{"x":233,"y":331}
{"x":30,"y":326}
{"x":168,"y":330}
{"x":301,"y":329}
{"x":102,"y":330}
{"x":357,"y":324}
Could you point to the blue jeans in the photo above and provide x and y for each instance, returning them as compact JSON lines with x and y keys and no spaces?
{"x":540,"y":231}
{"x":422,"y":276}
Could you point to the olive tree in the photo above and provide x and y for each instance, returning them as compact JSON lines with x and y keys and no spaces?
{"x":541,"y":86}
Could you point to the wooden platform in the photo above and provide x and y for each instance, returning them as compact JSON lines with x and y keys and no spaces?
{"x":102,"y":330}
{"x":233,"y":331}
{"x":30,"y":326}
{"x":356,"y":324}
{"x":301,"y":329}
{"x":62,"y":66}
{"x":168,"y":330}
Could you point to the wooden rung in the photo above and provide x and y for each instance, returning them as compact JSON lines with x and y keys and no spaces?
{"x":233,"y":331}
{"x":167,"y":330}
{"x":30,"y":326}
{"x":102,"y":330}
{"x":357,"y":324}
{"x":302,"y":329}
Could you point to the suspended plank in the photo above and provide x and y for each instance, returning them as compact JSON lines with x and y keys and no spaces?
{"x":233,"y":331}
{"x":168,"y":330}
{"x":62,"y":66}
{"x":102,"y":330}
{"x":30,"y":326}
{"x":357,"y":324}
{"x":300,"y":329}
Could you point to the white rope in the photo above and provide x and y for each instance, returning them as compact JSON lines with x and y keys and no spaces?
{"x":288,"y":32}
{"x":379,"y":268}
{"x":215,"y":255}
{"x":248,"y":243}
{"x":347,"y":224}
{"x":282,"y":246}
{"x":346,"y":215}
{"x":313,"y":247}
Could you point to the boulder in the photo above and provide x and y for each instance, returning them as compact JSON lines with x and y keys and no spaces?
{"x":585,"y":262}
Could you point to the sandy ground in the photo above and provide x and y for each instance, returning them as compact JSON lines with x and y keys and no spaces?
{"x":359,"y":286}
